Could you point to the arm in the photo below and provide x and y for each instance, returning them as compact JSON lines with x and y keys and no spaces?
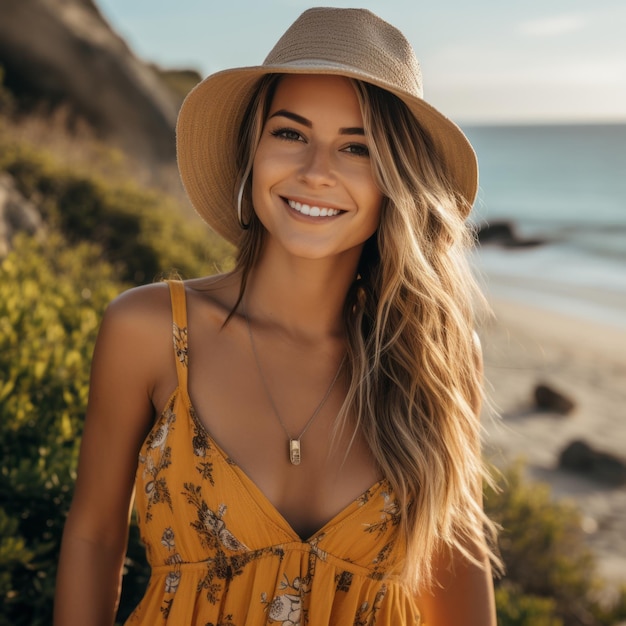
{"x":462,"y":594}
{"x":119,"y":415}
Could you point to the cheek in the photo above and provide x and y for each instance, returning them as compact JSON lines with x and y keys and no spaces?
{"x":267,"y":168}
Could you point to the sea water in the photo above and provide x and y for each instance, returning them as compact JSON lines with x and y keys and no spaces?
{"x":565,"y":185}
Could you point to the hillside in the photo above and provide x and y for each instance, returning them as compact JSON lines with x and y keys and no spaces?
{"x":63,"y":53}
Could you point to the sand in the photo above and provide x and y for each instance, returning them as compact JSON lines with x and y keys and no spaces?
{"x":586,"y":362}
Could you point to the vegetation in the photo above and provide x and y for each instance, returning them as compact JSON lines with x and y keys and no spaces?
{"x":551,"y":577}
{"x":142,"y":233}
{"x":102,"y":237}
{"x":51,"y":298}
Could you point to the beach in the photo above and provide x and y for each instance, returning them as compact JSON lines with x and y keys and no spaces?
{"x":585,"y":360}
{"x":558,"y":290}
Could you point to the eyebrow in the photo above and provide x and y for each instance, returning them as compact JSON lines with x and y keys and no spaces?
{"x":351,"y":130}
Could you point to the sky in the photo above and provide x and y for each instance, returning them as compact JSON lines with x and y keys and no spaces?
{"x":483,"y":61}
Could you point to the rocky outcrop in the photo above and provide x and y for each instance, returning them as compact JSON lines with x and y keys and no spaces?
{"x":64,"y":52}
{"x":17,"y":214}
{"x":504,"y":234}
{"x":549,"y":399}
{"x":580,"y":457}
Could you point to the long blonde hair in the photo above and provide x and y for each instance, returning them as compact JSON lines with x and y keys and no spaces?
{"x":415,"y":382}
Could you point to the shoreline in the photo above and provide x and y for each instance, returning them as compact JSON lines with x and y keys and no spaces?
{"x":568,"y":282}
{"x":586,"y":361}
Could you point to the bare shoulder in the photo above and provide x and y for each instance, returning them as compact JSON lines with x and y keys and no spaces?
{"x":135,"y":338}
{"x":148,"y":303}
{"x":144,"y":314}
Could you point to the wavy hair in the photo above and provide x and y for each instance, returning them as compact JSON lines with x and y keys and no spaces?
{"x":415,"y":369}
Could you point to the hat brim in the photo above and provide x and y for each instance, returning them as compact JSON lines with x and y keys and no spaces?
{"x":208,"y":127}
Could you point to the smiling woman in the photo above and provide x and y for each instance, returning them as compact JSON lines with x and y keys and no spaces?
{"x":313,"y":187}
{"x":308,"y":452}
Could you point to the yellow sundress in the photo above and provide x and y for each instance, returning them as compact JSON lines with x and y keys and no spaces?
{"x":222,"y":555}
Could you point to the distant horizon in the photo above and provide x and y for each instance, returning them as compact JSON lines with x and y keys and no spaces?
{"x":538,"y":123}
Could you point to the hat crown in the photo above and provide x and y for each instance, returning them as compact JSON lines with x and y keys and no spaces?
{"x":374,"y":49}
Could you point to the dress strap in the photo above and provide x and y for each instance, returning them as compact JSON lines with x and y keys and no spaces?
{"x":179,"y":327}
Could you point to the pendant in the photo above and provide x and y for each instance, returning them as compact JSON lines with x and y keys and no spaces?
{"x":294,"y":451}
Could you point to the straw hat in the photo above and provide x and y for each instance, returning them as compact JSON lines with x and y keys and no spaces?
{"x":348,"y":42}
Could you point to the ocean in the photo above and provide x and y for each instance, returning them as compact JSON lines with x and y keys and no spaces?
{"x":565,"y":185}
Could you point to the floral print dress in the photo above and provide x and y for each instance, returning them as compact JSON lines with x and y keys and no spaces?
{"x":222,"y":555}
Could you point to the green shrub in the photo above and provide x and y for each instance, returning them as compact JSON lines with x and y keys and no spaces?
{"x":515,"y":608}
{"x":51,"y":299}
{"x":143,"y":233}
{"x":551,"y":573}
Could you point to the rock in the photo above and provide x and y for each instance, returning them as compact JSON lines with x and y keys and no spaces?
{"x":503,"y":233}
{"x":578,"y":456}
{"x":549,"y":399}
{"x":63,"y":52}
{"x":17,"y":214}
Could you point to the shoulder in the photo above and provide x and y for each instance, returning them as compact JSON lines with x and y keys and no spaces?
{"x":137,"y":323}
{"x":133,"y":352}
{"x":145,"y":302}
{"x":148,"y":309}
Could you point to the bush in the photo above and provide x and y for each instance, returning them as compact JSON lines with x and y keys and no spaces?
{"x":143,"y":233}
{"x":550,"y":571}
{"x":516,"y":608}
{"x":51,"y":299}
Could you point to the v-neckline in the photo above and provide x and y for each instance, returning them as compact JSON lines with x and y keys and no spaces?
{"x":257,"y":493}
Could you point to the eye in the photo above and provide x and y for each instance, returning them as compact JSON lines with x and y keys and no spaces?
{"x":287,"y":134}
{"x":357,"y":149}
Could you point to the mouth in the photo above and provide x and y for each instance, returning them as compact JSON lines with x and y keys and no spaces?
{"x":312,"y":210}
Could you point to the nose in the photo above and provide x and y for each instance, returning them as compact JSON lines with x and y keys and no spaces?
{"x":317,"y":168}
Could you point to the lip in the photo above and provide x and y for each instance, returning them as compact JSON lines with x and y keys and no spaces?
{"x":322,"y":206}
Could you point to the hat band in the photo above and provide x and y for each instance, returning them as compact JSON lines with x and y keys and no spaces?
{"x":324,"y":66}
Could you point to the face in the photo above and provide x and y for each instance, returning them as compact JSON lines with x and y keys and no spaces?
{"x":312,"y":182}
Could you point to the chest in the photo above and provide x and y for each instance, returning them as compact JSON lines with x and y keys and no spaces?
{"x":255,"y":408}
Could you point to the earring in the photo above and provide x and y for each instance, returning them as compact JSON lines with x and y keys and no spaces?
{"x":242,"y":224}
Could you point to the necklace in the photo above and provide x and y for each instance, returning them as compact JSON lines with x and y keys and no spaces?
{"x":295,"y":455}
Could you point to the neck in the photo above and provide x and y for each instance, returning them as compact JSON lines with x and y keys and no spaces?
{"x":303,"y":298}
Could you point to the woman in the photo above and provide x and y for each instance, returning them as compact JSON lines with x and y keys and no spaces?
{"x":309,"y":452}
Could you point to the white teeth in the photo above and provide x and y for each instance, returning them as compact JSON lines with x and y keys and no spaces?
{"x":313,"y":211}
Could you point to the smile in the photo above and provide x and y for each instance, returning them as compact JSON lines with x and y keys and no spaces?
{"x":313,"y":211}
